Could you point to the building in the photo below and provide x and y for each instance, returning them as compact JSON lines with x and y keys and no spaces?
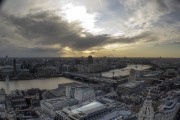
{"x":90,"y":59}
{"x":84,"y":93}
{"x":14,"y":66}
{"x":147,"y":111}
{"x":33,"y":97}
{"x":133,"y":75}
{"x":47,"y":71}
{"x":2,"y":103}
{"x":132,"y":87}
{"x":167,"y":110}
{"x":63,"y":86}
{"x":91,"y":110}
{"x":101,"y":86}
{"x":169,"y":106}
{"x":50,"y":106}
{"x":6,"y":71}
{"x":119,"y":115}
{"x":81,"y":93}
{"x":18,"y":100}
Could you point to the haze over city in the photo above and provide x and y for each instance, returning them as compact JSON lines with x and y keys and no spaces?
{"x":74,"y":28}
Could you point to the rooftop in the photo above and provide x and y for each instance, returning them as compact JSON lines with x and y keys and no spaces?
{"x":59,"y":102}
{"x":85,"y":108}
{"x":132,"y":84}
{"x":88,"y":108}
{"x":117,"y":115}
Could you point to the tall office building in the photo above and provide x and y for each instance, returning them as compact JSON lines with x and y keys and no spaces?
{"x":7,"y":85}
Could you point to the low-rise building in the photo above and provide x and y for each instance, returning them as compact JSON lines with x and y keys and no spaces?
{"x":133,"y":87}
{"x":90,"y":110}
{"x":2,"y":103}
{"x":50,"y":106}
{"x":119,"y":115}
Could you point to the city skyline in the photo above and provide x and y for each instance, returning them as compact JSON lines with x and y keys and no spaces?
{"x":69,"y":28}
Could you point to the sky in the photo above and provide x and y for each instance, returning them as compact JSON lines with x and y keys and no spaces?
{"x":69,"y":28}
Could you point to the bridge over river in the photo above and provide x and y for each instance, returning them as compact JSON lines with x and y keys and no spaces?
{"x":90,"y":78}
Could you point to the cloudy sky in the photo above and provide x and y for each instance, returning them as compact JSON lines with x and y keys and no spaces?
{"x":132,"y":28}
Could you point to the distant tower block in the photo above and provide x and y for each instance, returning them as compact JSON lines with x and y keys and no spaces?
{"x":6,"y":60}
{"x":7,"y":85}
{"x":14,"y":65}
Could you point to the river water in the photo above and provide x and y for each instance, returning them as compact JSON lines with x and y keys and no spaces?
{"x":51,"y":83}
{"x":125,"y":71}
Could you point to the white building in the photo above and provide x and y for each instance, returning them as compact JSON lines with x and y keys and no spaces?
{"x":99,"y":109}
{"x":147,"y":111}
{"x":50,"y":106}
{"x":168,"y":111}
{"x":84,"y":93}
{"x":91,"y":110}
{"x":80,"y":93}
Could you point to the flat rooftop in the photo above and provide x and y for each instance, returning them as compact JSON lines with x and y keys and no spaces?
{"x":132,"y":84}
{"x":117,"y":115}
{"x":55,"y":102}
{"x":93,"y":106}
{"x":85,"y":108}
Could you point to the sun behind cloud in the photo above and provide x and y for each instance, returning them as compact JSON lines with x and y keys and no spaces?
{"x":98,"y":27}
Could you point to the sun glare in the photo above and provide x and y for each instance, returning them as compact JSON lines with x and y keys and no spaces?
{"x":80,"y":13}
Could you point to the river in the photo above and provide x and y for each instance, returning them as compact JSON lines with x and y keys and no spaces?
{"x":51,"y":83}
{"x":42,"y":83}
{"x":125,"y":71}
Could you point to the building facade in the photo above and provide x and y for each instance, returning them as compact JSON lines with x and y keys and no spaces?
{"x":80,"y":93}
{"x":92,"y":110}
{"x":147,"y":111}
{"x":50,"y":106}
{"x":165,"y":111}
{"x":132,"y":87}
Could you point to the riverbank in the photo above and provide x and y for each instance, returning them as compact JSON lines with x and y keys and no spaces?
{"x":52,"y":83}
{"x":42,"y":83}
{"x":32,"y":78}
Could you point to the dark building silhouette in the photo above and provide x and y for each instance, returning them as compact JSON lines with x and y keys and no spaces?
{"x":90,"y":59}
{"x":14,"y":66}
{"x":6,"y":60}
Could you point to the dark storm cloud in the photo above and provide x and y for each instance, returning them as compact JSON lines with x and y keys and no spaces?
{"x":46,"y":28}
{"x":46,"y":33}
{"x":1,"y":3}
{"x":15,"y":51}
